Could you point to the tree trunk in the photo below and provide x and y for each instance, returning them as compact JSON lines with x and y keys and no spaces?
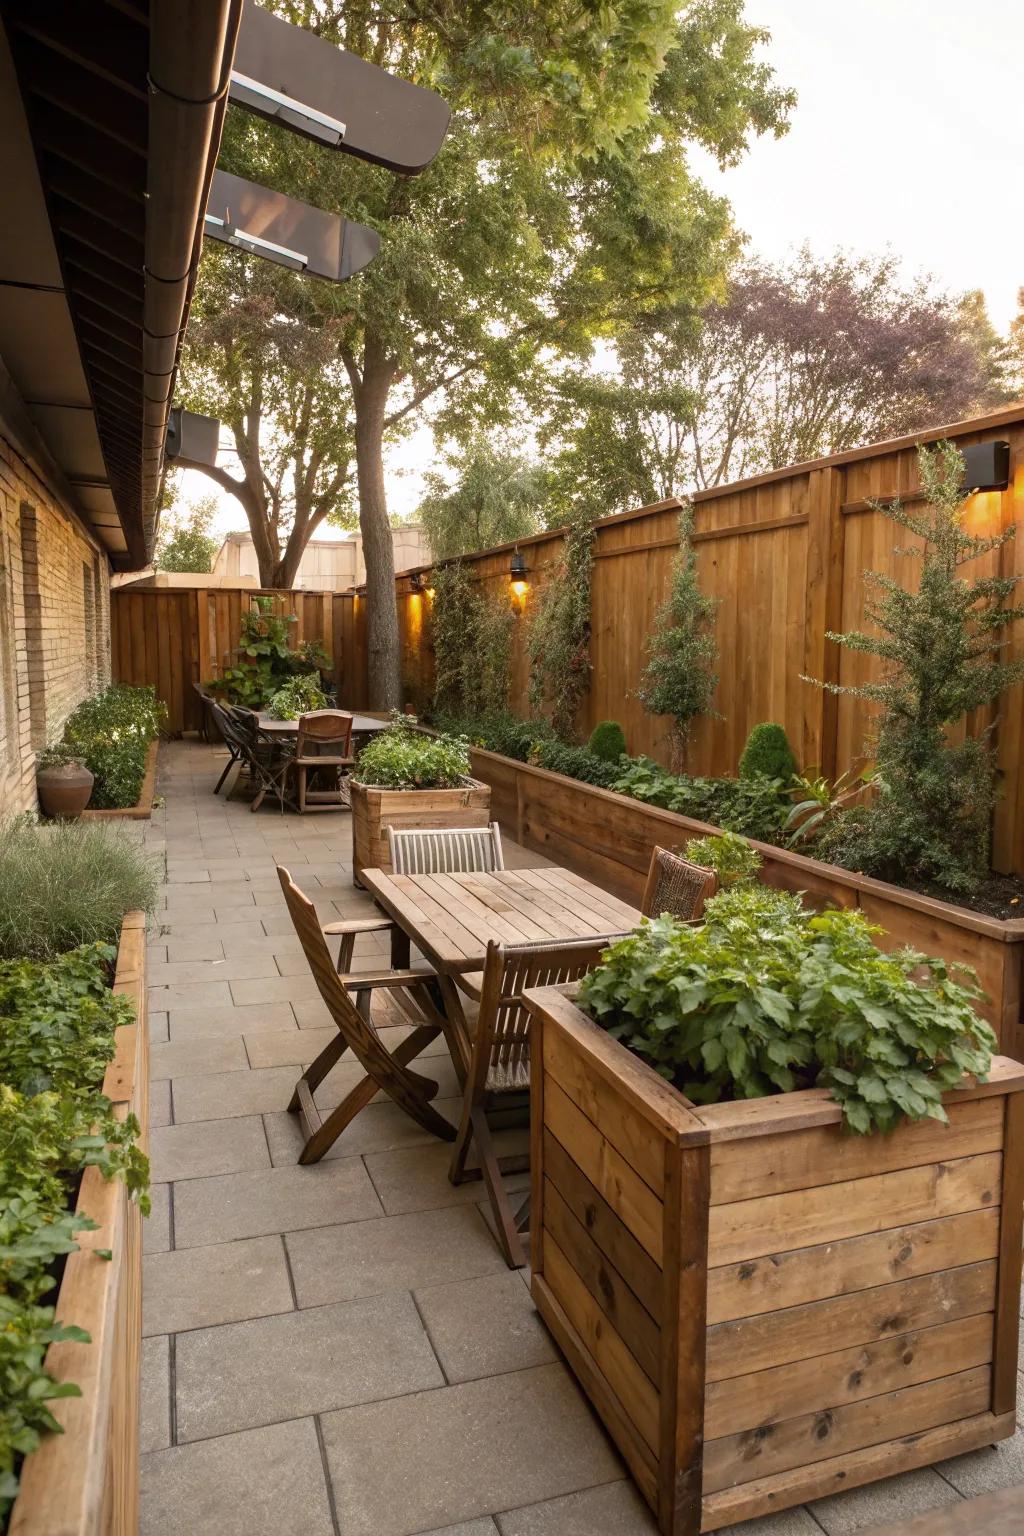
{"x":383,"y":648}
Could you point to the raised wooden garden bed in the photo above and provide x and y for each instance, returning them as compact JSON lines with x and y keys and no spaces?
{"x":609,"y":837}
{"x":85,"y":1482}
{"x":374,"y":810}
{"x":762,"y":1307}
{"x":142,"y":810}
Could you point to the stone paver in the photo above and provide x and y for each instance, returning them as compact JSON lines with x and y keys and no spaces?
{"x":356,"y":1317}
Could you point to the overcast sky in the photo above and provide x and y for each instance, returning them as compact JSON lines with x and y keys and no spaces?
{"x":908,"y":134}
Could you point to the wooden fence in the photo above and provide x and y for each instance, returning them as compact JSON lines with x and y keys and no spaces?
{"x":172,"y":638}
{"x":784,"y":554}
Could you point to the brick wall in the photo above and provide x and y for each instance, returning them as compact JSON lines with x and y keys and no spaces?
{"x":54,"y":623}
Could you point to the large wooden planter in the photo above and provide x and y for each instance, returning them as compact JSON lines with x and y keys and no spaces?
{"x":761,"y":1307}
{"x":85,"y":1482}
{"x":609,"y":838}
{"x":374,"y":810}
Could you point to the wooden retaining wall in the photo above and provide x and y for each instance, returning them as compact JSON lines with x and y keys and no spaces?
{"x":85,"y":1482}
{"x":739,"y":1377}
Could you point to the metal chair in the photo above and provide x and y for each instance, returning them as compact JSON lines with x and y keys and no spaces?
{"x":264,"y":758}
{"x":205,"y":701}
{"x":385,"y":1070}
{"x":445,"y":850}
{"x":500,"y":1062}
{"x":324,"y":740}
{"x":677,"y":887}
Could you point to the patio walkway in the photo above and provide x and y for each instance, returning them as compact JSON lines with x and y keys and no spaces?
{"x":340,"y":1350}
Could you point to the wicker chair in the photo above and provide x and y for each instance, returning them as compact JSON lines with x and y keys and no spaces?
{"x":386,"y":1071}
{"x":445,"y":850}
{"x":500,"y":1062}
{"x":677,"y":887}
{"x":324,"y":740}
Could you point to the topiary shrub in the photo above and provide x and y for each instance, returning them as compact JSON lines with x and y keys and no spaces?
{"x":608,"y":741}
{"x":768,"y":754}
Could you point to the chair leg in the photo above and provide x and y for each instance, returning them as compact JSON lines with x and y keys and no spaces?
{"x":504,"y":1219}
{"x":318,"y":1070}
{"x":300,"y":774}
{"x":227,"y":769}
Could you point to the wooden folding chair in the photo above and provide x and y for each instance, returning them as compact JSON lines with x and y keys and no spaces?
{"x":324,"y":740}
{"x":500,"y":1063}
{"x":385,"y":1070}
{"x":677,"y":887}
{"x":445,"y":850}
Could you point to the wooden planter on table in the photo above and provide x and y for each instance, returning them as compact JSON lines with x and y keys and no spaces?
{"x":762,"y":1307}
{"x":374,"y":810}
{"x":609,"y":837}
{"x":85,"y":1482}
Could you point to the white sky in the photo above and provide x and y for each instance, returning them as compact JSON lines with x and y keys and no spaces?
{"x":908,"y":133}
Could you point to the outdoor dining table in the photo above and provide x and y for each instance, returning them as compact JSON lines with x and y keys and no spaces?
{"x":362,"y":725}
{"x":451,"y":918}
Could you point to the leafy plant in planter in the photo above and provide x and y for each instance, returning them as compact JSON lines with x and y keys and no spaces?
{"x":768,"y":754}
{"x":767,"y":997}
{"x":680,"y":677}
{"x":298,"y":696}
{"x":607,"y":741}
{"x":111,"y":734}
{"x":756,"y":807}
{"x":265,"y":660}
{"x":729,"y":855}
{"x":402,"y":757}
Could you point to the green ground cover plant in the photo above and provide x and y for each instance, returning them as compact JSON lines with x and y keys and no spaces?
{"x":110,"y":733}
{"x":402,"y":757}
{"x":57,"y":1028}
{"x":68,"y":883}
{"x":768,"y":997}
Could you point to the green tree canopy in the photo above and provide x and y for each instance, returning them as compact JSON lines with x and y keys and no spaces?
{"x":497,"y":497}
{"x":185,"y":542}
{"x":560,"y":208}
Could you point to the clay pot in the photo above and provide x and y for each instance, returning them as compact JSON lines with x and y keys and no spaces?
{"x":64,"y":790}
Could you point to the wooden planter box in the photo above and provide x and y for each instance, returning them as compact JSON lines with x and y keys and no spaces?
{"x":374,"y":810}
{"x":762,"y":1307}
{"x":142,"y":810}
{"x":85,"y":1482}
{"x":608,"y":838}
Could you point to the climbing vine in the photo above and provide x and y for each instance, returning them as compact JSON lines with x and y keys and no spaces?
{"x":680,"y":677}
{"x":558,"y":640}
{"x":472,"y":636}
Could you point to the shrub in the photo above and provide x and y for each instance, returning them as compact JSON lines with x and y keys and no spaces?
{"x":769,"y":754}
{"x":680,"y":677}
{"x":404,"y":758}
{"x":575,"y":762}
{"x":765,"y":997}
{"x":263,"y":660}
{"x":755,"y":807}
{"x":500,"y":731}
{"x":110,"y":734}
{"x":68,"y":883}
{"x":608,"y":741}
{"x":57,"y":1024}
{"x":941,"y":641}
{"x":298,"y":696}
{"x":730,"y":856}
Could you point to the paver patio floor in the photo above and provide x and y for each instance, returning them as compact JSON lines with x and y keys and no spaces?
{"x":340,"y":1350}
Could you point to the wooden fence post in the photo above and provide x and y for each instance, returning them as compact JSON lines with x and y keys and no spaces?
{"x":823,"y":611}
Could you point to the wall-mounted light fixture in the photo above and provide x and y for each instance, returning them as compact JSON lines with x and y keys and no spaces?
{"x":986,"y":466}
{"x":517,"y":574}
{"x":416,"y":582}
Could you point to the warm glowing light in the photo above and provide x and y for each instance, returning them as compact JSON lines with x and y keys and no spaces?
{"x":430,"y":593}
{"x":519,"y":590}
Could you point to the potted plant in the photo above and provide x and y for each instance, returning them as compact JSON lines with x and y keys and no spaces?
{"x":764,"y":1301}
{"x":405,"y":778}
{"x":63,"y":782}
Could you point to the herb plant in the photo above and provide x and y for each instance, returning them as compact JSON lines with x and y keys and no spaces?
{"x":298,"y":696}
{"x":767,"y":997}
{"x":403,"y":757}
{"x":729,"y":855}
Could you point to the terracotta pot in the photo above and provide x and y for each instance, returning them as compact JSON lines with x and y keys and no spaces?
{"x":64,"y":790}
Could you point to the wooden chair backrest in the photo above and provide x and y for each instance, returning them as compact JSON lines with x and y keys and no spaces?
{"x":327,"y":728}
{"x":445,"y":850}
{"x":677,"y":887}
{"x":503,"y":1022}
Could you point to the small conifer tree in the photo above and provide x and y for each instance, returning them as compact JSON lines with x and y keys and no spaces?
{"x":942,"y":647}
{"x":680,"y":677}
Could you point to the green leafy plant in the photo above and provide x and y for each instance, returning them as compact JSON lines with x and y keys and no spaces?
{"x":68,"y":883}
{"x":767,"y":997}
{"x":558,"y":639}
{"x":819,"y":801}
{"x":680,"y":677}
{"x":185,"y":542}
{"x":298,"y":696}
{"x":471,"y":633}
{"x":941,"y":645}
{"x":768,"y":754}
{"x":755,"y":807}
{"x":403,"y":757}
{"x":110,"y":733}
{"x":729,"y":855}
{"x":265,"y":659}
{"x":607,"y":741}
{"x":57,"y":1031}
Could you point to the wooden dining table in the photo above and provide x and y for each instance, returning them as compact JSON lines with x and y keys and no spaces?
{"x":362,"y":725}
{"x":451,"y":918}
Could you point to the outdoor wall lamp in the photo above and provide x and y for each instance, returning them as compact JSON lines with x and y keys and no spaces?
{"x":416,"y":582}
{"x":517,"y":574}
{"x":986,"y":467}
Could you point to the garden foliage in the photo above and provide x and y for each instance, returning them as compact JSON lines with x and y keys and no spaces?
{"x":767,"y":997}
{"x":680,"y":677}
{"x":57,"y":1023}
{"x":558,"y":639}
{"x":768,"y":754}
{"x":757,"y":807}
{"x":472,"y":638}
{"x":404,"y":758}
{"x":298,"y":696}
{"x":65,"y":883}
{"x":110,"y":733}
{"x":265,"y":660}
{"x":729,"y":855}
{"x":608,"y":741}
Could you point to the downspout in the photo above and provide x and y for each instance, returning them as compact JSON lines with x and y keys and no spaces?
{"x":191,"y":47}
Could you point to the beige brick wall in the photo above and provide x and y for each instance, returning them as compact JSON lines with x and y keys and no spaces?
{"x":54,"y":623}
